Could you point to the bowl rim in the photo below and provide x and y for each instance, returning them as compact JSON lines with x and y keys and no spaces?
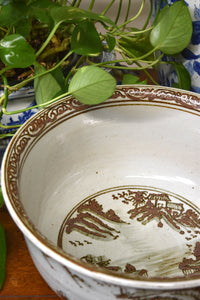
{"x":146,"y":93}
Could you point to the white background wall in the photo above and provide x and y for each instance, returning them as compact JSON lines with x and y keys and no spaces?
{"x":100,"y":5}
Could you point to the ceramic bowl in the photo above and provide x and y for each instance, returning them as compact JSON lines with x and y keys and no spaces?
{"x":107,"y":196}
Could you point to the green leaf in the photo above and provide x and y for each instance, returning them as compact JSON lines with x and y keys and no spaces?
{"x":41,"y":15}
{"x":132,"y":79}
{"x":111,"y":41}
{"x":83,"y":43}
{"x":92,"y":85}
{"x":15,"y":52}
{"x":184,"y":79}
{"x":172,"y":30}
{"x":2,"y":256}
{"x":59,"y":77}
{"x":42,"y":4}
{"x":1,"y":199}
{"x":134,"y":47}
{"x":46,"y":86}
{"x":23,"y":27}
{"x":10,"y":14}
{"x":71,"y":14}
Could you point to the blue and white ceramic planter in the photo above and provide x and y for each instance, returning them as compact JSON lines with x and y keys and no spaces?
{"x":190,"y":57}
{"x":21,"y":99}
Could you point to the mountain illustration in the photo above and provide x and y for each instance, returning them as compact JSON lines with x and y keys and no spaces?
{"x":90,"y":221}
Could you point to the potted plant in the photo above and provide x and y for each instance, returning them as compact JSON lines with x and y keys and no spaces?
{"x":56,"y":46}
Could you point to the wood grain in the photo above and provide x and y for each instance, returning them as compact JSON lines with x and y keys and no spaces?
{"x":23,"y":281}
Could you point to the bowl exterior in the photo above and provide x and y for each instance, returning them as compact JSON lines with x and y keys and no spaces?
{"x":71,"y":285}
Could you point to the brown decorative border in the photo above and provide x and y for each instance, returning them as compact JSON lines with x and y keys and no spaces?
{"x":153,"y":94}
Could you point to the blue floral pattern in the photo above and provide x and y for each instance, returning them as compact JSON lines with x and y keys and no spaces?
{"x":190,"y":57}
{"x":26,"y":99}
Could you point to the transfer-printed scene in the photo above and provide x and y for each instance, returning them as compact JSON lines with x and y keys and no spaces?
{"x":140,"y":231}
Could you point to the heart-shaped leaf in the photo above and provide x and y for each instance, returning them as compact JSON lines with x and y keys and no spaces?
{"x":71,"y":14}
{"x":15,"y":52}
{"x":136,"y":48}
{"x":132,"y":79}
{"x":167,"y":34}
{"x":41,"y":15}
{"x":184,"y":79}
{"x":23,"y":27}
{"x":83,"y":43}
{"x":10,"y":14}
{"x":47,"y":86}
{"x":111,"y":41}
{"x":92,"y":85}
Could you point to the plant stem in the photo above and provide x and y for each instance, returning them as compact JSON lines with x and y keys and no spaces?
{"x":9,"y":126}
{"x":91,"y":5}
{"x":78,"y":4}
{"x":48,"y":39}
{"x":119,"y":11}
{"x":148,"y":74}
{"x":73,"y":70}
{"x":73,"y":3}
{"x":111,"y":66}
{"x":21,"y":84}
{"x":140,"y":58}
{"x":127,"y":11}
{"x":149,"y":16}
{"x":108,"y":7}
{"x":5,"y":95}
{"x":35,"y":106}
{"x":5,"y":83}
{"x":132,"y":19}
{"x":6,"y":135}
{"x":3,"y":29}
{"x":4,"y":70}
{"x":121,"y":33}
{"x":157,"y":10}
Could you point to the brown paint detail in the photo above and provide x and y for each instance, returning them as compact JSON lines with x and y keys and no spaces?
{"x":193,"y":294}
{"x":80,"y":282}
{"x":149,"y":206}
{"x":131,"y":269}
{"x":192,"y":266}
{"x":152,"y":94}
{"x":99,"y":261}
{"x":102,"y":261}
{"x":144,"y":205}
{"x":92,"y":225}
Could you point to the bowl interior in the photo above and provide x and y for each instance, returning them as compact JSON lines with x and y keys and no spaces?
{"x":116,"y":185}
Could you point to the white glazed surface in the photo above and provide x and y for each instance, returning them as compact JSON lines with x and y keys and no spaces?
{"x":90,"y":166}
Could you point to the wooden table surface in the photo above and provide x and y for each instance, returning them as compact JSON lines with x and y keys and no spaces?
{"x":23,"y":281}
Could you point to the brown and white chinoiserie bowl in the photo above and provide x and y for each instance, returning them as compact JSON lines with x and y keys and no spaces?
{"x":108,"y":196}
